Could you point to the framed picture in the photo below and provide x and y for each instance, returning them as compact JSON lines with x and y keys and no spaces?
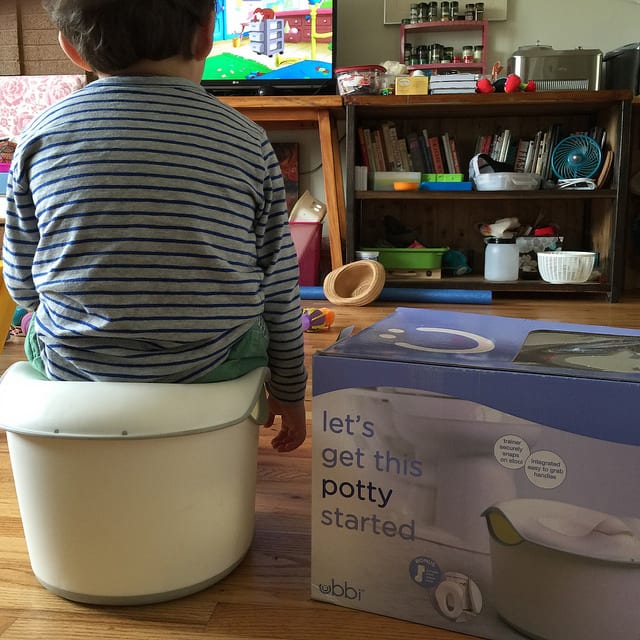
{"x":287,"y":154}
{"x":395,"y":10}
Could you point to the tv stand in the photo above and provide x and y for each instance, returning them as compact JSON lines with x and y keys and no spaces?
{"x":294,"y":112}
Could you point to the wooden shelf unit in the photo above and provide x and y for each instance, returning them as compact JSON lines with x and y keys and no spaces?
{"x":429,"y":32}
{"x":588,"y":220}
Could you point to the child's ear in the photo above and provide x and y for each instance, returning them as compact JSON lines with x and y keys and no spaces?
{"x":72,"y":53}
{"x":203,"y":39}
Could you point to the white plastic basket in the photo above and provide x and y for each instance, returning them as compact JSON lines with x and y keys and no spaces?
{"x":564,"y":267}
{"x":507,"y":181}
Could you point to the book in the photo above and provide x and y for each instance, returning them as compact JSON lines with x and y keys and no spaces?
{"x":423,"y":139}
{"x":364,"y":153}
{"x":505,"y":140}
{"x":415,"y":153}
{"x":522,"y":149}
{"x":440,"y":92}
{"x":407,"y":165}
{"x":391,"y":163}
{"x":446,"y":153}
{"x":371,"y":152}
{"x":454,"y":77}
{"x":378,"y":149}
{"x":436,"y":155}
{"x":454,"y":155}
{"x":400,"y":163}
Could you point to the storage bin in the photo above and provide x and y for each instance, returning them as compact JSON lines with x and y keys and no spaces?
{"x":392,"y":258}
{"x":4,"y":175}
{"x":364,"y":79}
{"x":307,"y":238}
{"x":507,"y":181}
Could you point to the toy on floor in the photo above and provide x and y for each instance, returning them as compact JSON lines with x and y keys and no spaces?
{"x":316,"y":319}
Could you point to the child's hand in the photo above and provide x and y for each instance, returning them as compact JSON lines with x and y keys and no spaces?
{"x":293,"y":428}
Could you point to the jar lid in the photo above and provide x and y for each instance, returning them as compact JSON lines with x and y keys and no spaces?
{"x":494,"y":240}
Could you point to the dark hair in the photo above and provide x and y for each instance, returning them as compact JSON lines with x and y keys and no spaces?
{"x":112,"y":35}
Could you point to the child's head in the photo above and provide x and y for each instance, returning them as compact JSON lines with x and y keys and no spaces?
{"x":114,"y":35}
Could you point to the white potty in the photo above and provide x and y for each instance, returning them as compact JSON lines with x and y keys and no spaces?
{"x":133,"y":493}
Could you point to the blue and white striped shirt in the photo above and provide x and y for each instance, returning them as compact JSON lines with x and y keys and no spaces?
{"x":147,"y":223}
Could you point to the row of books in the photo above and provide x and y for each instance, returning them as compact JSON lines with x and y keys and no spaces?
{"x":530,"y":154}
{"x":381,"y":149}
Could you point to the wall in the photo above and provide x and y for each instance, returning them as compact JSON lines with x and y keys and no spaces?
{"x":28,"y":42}
{"x":563,"y":25}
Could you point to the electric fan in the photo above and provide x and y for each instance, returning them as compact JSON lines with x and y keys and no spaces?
{"x":577,"y":156}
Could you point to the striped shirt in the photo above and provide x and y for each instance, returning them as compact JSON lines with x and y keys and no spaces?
{"x":147,"y":223}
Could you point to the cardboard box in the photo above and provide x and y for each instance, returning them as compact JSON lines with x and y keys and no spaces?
{"x":480,"y":474}
{"x":412,"y":85}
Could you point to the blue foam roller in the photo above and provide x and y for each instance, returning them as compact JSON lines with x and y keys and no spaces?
{"x":400,"y":294}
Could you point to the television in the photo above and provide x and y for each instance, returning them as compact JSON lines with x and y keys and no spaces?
{"x":272,"y":47}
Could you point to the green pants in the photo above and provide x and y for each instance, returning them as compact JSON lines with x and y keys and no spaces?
{"x":247,"y":354}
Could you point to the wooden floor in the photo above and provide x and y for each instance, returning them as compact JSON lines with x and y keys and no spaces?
{"x":267,"y":597}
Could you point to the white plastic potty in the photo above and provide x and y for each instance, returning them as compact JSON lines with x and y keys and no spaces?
{"x":133,"y":493}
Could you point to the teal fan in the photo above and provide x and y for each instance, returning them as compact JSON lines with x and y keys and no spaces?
{"x":577,"y":156}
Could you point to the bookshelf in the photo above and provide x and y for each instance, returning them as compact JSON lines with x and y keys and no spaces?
{"x":588,"y":220}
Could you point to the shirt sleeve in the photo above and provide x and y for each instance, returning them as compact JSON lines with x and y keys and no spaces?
{"x":282,"y":309}
{"x":20,"y":243}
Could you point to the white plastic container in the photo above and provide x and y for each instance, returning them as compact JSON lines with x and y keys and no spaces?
{"x":501,"y":260}
{"x":132,"y":493}
{"x":507,"y":181}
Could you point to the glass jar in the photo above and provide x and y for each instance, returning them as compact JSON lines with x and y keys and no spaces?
{"x":477,"y":53}
{"x":433,"y":12}
{"x":467,"y":54}
{"x":479,"y":10}
{"x":470,"y":12}
{"x":453,"y":10}
{"x":501,"y":260}
{"x":445,"y":11}
{"x":408,"y":51}
{"x":413,"y":14}
{"x":423,"y":11}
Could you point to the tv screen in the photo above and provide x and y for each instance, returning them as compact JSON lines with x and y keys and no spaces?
{"x":272,"y":47}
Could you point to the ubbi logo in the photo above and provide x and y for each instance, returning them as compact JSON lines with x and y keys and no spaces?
{"x":340,"y":590}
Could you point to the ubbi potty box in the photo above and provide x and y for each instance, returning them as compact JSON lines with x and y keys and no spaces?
{"x":480,"y":474}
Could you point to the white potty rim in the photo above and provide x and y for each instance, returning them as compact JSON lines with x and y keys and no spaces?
{"x":33,"y":405}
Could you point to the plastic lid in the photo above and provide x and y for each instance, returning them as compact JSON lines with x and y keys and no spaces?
{"x":494,"y":240}
{"x":364,"y":67}
{"x":33,"y":405}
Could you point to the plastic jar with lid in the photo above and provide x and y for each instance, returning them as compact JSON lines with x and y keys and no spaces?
{"x":501,"y":260}
{"x":467,"y":53}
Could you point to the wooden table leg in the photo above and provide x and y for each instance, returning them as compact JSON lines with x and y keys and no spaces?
{"x":333,"y":186}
